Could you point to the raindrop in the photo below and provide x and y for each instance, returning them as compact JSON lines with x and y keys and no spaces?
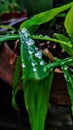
{"x":36,"y":49}
{"x":30,"y":42}
{"x":42,"y":63}
{"x":65,"y":68}
{"x":54,"y":35}
{"x":23,"y":65}
{"x":34,"y":69}
{"x":46,"y":36}
{"x":30,"y":50}
{"x":38,"y":54}
{"x":25,"y":32}
{"x":34,"y":63}
{"x":40,"y":35}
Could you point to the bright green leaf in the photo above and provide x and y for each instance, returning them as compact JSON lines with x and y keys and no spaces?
{"x":66,"y":47}
{"x":36,"y":81}
{"x":69,"y":23}
{"x":44,"y":17}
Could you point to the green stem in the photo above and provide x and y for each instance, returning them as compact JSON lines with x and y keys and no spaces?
{"x":8,"y":37}
{"x":16,"y":36}
{"x":59,"y":63}
{"x":40,"y":37}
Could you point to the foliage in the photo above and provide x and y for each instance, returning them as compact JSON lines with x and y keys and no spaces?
{"x":37,"y":77}
{"x":7,"y":6}
{"x":38,"y":19}
{"x":33,"y":7}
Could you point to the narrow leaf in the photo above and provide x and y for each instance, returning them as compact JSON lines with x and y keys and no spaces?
{"x":44,"y":17}
{"x":69,"y":80}
{"x":66,"y":47}
{"x":69,"y":23}
{"x":16,"y":82}
{"x":36,"y":81}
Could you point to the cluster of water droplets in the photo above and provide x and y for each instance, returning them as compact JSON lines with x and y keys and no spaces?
{"x":25,"y":32}
{"x":35,"y":54}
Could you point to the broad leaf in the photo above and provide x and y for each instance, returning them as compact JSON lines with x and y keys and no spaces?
{"x":44,"y":17}
{"x":36,"y":81}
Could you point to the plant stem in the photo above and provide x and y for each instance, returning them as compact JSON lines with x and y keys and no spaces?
{"x":59,"y":63}
{"x":8,"y":37}
{"x":40,"y":37}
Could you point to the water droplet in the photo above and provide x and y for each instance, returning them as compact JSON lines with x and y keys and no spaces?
{"x":38,"y":54}
{"x":40,"y":35}
{"x":23,"y":65}
{"x":34,"y":69}
{"x":54,"y":35}
{"x":36,"y":49}
{"x":66,"y":68}
{"x":42,"y":63}
{"x":25,"y":32}
{"x":30,"y":42}
{"x":34,"y":63}
{"x":46,"y":36}
{"x":30,"y":50}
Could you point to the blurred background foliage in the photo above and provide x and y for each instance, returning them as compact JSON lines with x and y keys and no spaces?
{"x":32,"y":7}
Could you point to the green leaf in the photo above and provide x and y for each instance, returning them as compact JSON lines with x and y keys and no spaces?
{"x":63,"y":38}
{"x":69,"y":23}
{"x":7,"y":27}
{"x":31,"y":57}
{"x":8,"y":37}
{"x":36,"y":81}
{"x":44,"y":17}
{"x":16,"y":82}
{"x":69,"y":80}
{"x":4,"y":6}
{"x":36,"y":96}
{"x":58,"y":62}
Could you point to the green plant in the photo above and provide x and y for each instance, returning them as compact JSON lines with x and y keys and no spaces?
{"x":7,"y":6}
{"x":37,"y":77}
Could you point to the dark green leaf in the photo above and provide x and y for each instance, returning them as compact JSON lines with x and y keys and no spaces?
{"x":69,"y":80}
{"x":16,"y":82}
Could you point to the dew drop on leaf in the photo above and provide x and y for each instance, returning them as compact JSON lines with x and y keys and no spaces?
{"x":25,"y":32}
{"x":31,"y":51}
{"x":38,"y":54}
{"x":40,"y":35}
{"x":30,"y":42}
{"x":34,"y":69}
{"x":23,"y":65}
{"x":66,"y":68}
{"x":41,"y":62}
